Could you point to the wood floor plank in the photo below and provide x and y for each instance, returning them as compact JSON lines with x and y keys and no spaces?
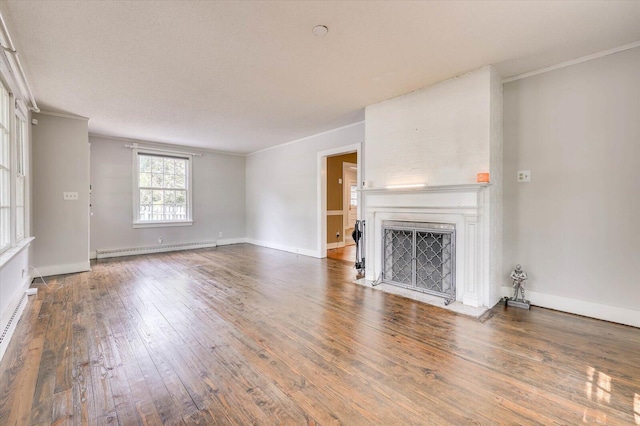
{"x":246,"y":335}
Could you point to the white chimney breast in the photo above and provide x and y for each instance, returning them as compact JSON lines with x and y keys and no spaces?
{"x":443,"y":135}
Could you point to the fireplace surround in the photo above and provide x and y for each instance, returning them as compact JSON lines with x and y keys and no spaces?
{"x":462,"y":209}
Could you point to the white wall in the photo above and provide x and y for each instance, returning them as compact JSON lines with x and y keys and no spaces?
{"x":444,"y":135}
{"x":14,"y":281}
{"x":60,"y":155}
{"x":282,"y":203}
{"x":438,"y":135}
{"x":218,"y":199}
{"x":575,"y":227}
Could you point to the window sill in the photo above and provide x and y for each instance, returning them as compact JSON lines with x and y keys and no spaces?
{"x":10,"y":253}
{"x":161,"y":224}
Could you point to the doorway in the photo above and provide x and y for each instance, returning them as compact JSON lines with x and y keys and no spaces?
{"x":335,"y":192}
{"x":342,"y":184}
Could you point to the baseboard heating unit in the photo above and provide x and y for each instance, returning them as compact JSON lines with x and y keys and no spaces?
{"x":103,"y":254}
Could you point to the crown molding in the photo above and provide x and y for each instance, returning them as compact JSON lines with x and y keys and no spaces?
{"x":573,"y":62}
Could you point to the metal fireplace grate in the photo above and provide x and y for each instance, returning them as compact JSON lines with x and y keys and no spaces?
{"x":420,"y":256}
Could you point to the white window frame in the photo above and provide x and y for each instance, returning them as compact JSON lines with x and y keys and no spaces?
{"x":8,"y":170}
{"x":137,"y":223}
{"x":21,"y":172}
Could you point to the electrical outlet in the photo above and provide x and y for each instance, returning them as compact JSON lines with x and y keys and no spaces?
{"x":160,"y":239}
{"x":524,"y":176}
{"x":337,"y":235}
{"x":220,"y":234}
{"x":70,"y":196}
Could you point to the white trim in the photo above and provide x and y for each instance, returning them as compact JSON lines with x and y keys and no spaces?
{"x":11,"y":252}
{"x":12,"y":59}
{"x":165,"y":144}
{"x":63,"y":115}
{"x":321,"y":191}
{"x":282,"y":247}
{"x":335,"y":213}
{"x":580,"y":307}
{"x":231,"y":241}
{"x":12,"y":315}
{"x":573,"y":62}
{"x":134,"y":251}
{"x":435,"y":188}
{"x":162,"y":150}
{"x":136,"y":223}
{"x":307,"y":137}
{"x":70,"y":268}
{"x":161,"y":224}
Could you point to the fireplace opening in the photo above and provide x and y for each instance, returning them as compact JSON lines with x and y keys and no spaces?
{"x":420,"y":256}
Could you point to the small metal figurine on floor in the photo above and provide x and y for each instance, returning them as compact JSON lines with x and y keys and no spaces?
{"x":518,"y":276}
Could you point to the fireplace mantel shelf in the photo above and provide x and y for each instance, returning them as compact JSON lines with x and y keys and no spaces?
{"x":435,"y":188}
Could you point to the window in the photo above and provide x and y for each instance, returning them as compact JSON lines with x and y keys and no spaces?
{"x":5,"y":170}
{"x":353,"y":195}
{"x":21,"y":147}
{"x":163,"y":183}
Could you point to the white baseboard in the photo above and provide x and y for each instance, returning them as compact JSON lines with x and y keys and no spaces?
{"x":296,"y":250}
{"x":47,"y":271}
{"x":580,"y":307}
{"x":338,"y":244}
{"x":132,"y":251}
{"x":12,"y":316}
{"x":230,"y":241}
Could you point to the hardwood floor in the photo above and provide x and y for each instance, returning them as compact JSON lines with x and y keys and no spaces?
{"x":346,"y":253}
{"x":247,"y":335}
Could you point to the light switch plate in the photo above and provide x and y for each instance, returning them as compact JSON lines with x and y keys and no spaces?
{"x":70,"y":196}
{"x":524,"y":176}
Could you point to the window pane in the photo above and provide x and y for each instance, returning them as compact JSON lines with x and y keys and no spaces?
{"x":169,"y":197}
{"x":4,"y":187}
{"x":156,"y":181}
{"x":181,"y":197}
{"x":181,"y":211}
{"x":4,"y":227}
{"x":145,"y":164}
{"x":157,"y":164}
{"x":169,"y":166}
{"x":145,"y":196}
{"x":180,"y":181}
{"x":181,"y":167}
{"x":145,"y":212}
{"x":4,"y":150}
{"x":169,"y":181}
{"x":145,"y":180}
{"x":158,"y":197}
{"x":19,"y":223}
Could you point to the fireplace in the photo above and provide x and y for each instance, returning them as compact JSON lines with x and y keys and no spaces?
{"x":420,"y":256}
{"x":435,"y":242}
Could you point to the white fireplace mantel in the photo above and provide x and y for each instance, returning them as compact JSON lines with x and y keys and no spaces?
{"x":464,"y":206}
{"x":427,"y":188}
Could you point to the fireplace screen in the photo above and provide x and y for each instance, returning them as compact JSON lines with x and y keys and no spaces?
{"x":420,"y":256}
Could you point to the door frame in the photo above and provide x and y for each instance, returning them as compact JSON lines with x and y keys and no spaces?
{"x":321,"y":181}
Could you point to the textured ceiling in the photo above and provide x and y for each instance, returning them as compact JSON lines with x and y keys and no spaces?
{"x":241,"y":76}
